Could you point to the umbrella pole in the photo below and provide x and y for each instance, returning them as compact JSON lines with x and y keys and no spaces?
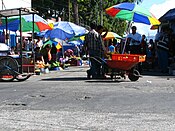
{"x":123,"y":51}
{"x":128,"y":31}
{"x":62,"y":49}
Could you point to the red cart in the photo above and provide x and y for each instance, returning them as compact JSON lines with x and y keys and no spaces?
{"x":120,"y":65}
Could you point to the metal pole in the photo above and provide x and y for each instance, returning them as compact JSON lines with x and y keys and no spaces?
{"x":101,"y":12}
{"x":6,"y":24}
{"x":69,"y":9}
{"x":128,"y":31}
{"x":21,"y":59}
{"x":2,"y":4}
{"x":33,"y":29}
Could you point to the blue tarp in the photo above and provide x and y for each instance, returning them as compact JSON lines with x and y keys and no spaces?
{"x":13,"y":25}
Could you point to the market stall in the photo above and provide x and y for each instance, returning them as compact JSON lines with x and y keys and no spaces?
{"x":14,"y":66}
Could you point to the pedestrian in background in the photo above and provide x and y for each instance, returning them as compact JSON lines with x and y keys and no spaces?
{"x":111,"y":47}
{"x":144,"y":45}
{"x":134,"y":41}
{"x":163,"y":49}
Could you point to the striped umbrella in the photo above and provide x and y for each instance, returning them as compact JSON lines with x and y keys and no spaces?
{"x":132,"y":12}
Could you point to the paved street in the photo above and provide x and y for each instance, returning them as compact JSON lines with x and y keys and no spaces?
{"x":65,"y":100}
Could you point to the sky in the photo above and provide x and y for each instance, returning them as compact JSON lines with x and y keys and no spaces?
{"x":158,"y":8}
{"x":9,"y":4}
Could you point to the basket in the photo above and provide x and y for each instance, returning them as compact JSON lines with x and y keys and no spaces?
{"x":128,"y":57}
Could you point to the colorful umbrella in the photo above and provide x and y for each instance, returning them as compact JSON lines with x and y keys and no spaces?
{"x":52,"y":43}
{"x":65,"y":30}
{"x":111,"y":35}
{"x":47,"y":42}
{"x":81,"y":38}
{"x":40,"y":24}
{"x":154,"y":27}
{"x":132,"y":12}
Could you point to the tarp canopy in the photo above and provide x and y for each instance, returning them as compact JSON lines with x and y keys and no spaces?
{"x":17,"y":11}
{"x":170,"y":15}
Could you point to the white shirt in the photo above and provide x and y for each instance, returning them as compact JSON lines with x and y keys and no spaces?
{"x":39,"y":43}
{"x":134,"y":37}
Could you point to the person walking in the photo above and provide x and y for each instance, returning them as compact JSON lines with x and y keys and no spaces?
{"x":94,"y":47}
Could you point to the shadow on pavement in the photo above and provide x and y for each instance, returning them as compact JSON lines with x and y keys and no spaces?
{"x":66,"y":79}
{"x":154,"y":73}
{"x":106,"y":80}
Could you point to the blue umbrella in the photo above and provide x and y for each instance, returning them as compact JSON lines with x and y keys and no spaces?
{"x":65,"y":30}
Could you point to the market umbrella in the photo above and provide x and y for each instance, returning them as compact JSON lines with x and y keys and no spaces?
{"x":47,"y":42}
{"x":13,"y":24}
{"x":57,"y":44}
{"x":81,"y":38}
{"x":111,"y":35}
{"x":154,"y":27}
{"x":65,"y":30}
{"x":132,"y":12}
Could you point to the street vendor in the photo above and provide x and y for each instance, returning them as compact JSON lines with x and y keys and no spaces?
{"x":94,"y":47}
{"x":46,"y":54}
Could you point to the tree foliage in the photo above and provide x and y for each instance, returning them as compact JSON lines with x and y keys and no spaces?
{"x":89,"y":10}
{"x":82,"y":12}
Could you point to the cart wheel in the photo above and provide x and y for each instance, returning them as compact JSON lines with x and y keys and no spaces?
{"x":134,"y":75}
{"x":8,"y":67}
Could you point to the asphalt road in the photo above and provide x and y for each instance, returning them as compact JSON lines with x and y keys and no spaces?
{"x":67,"y":101}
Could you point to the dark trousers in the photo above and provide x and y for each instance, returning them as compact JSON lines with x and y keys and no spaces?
{"x":136,"y":49}
{"x":95,"y":64}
